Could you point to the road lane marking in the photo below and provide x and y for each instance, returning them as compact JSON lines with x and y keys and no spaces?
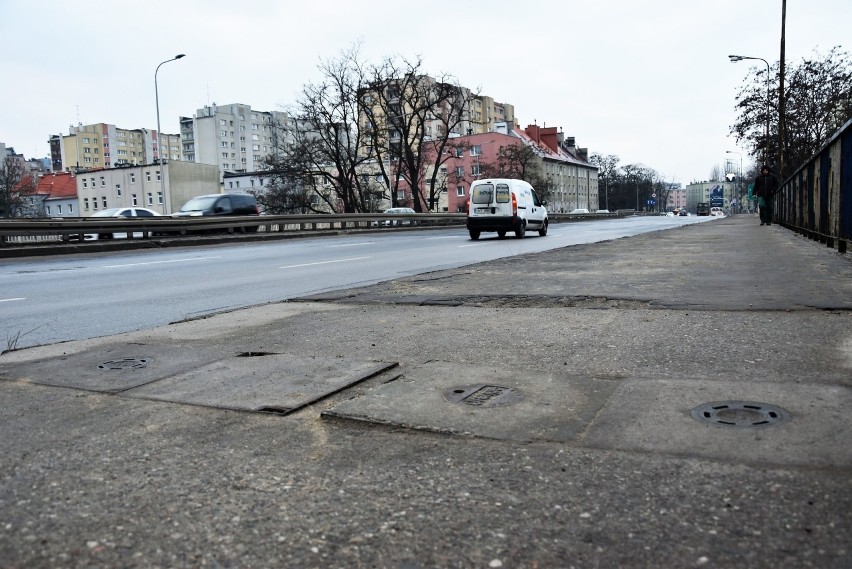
{"x":156,"y":262}
{"x":324,"y":262}
{"x":351,"y":244}
{"x":11,"y":299}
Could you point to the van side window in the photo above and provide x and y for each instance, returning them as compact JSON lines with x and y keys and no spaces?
{"x":502,"y":193}
{"x":536,"y":202}
{"x":482,"y":193}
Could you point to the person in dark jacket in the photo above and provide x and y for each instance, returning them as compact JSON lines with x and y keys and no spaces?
{"x":765,"y":186}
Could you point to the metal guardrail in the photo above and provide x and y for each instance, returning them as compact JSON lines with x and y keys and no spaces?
{"x":22,"y":232}
{"x":816,"y":200}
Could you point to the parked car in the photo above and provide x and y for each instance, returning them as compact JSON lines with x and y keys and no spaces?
{"x":602,"y":211}
{"x":683,"y":213}
{"x":580,"y":210}
{"x":127,"y":212}
{"x":717,"y":211}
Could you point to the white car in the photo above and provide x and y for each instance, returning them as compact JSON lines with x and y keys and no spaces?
{"x":390,"y":222}
{"x":128,"y":212}
{"x":717,"y":211}
{"x":580,"y":210}
{"x":602,"y":211}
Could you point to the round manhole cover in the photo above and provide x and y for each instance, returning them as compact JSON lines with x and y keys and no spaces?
{"x":484,"y":395}
{"x":741,"y":414}
{"x":125,"y":363}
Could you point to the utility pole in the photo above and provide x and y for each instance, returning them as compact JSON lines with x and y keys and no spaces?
{"x":782,"y":120}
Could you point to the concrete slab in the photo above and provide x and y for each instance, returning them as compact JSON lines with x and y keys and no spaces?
{"x":110,"y":368}
{"x":655,"y":417}
{"x":277,"y":383}
{"x":484,"y":400}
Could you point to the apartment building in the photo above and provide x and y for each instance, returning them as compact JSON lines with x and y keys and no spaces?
{"x":233,"y":137}
{"x":573,"y":181}
{"x":104,"y":145}
{"x":142,"y":186}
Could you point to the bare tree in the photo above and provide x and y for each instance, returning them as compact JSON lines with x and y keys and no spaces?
{"x":17,"y":188}
{"x":817,"y":101}
{"x":412,"y":118}
{"x":318,"y":161}
{"x":607,"y":169}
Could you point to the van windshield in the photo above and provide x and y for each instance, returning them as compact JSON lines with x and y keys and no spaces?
{"x":482,"y":193}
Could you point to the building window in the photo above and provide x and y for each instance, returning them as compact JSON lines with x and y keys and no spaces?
{"x":474,"y":170}
{"x":459,"y":152}
{"x":148,"y":176}
{"x":70,"y":208}
{"x":160,"y":198}
{"x":460,"y":171}
{"x":460,"y":191}
{"x":86,"y":204}
{"x":132,"y":178}
{"x":158,"y":175}
{"x":47,"y":209}
{"x":475,"y":150}
{"x":103,"y":199}
{"x":118,"y":189}
{"x":150,"y":198}
{"x":103,"y":181}
{"x":133,"y":200}
{"x":85,"y":184}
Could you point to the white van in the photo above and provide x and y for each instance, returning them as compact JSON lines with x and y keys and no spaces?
{"x":502,"y":205}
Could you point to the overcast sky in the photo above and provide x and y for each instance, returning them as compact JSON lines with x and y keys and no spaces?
{"x":648,"y":81}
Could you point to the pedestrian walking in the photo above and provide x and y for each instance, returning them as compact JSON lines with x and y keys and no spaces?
{"x":765,"y":186}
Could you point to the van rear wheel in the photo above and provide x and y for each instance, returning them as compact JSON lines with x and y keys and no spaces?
{"x":474,"y":234}
{"x":543,"y":230}
{"x":521,"y":230}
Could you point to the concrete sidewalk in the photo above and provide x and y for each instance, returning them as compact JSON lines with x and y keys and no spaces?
{"x":676,"y":399}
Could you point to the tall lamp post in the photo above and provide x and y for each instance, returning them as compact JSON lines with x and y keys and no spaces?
{"x":739,"y":178}
{"x":735,"y":58}
{"x":160,"y":135}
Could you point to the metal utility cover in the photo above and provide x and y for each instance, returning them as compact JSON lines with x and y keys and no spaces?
{"x":111,"y":368}
{"x":547,"y":407}
{"x":655,"y":416}
{"x":277,"y":383}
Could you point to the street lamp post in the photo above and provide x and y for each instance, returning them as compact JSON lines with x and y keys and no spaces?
{"x":735,"y":58}
{"x":160,"y":135}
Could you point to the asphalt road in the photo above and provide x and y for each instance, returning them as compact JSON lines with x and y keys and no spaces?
{"x":54,"y":299}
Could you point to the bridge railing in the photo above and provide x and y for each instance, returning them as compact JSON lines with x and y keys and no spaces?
{"x":816,"y":200}
{"x":20,"y":232}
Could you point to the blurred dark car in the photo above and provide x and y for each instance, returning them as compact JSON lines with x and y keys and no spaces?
{"x":219,"y":204}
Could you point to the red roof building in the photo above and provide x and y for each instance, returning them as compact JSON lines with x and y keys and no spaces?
{"x":59,"y":193}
